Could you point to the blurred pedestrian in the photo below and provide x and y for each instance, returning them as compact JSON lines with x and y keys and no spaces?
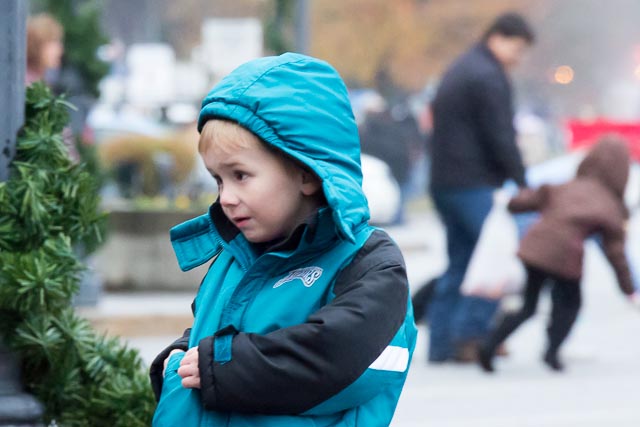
{"x":474,"y":151}
{"x":44,"y":47}
{"x":44,"y":56}
{"x":392,"y":135}
{"x":552,"y":250}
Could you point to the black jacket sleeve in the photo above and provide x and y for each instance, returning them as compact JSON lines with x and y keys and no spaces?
{"x":291,"y":370}
{"x":495,"y":120}
{"x":157,"y":366}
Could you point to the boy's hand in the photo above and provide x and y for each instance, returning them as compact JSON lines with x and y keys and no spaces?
{"x":166,"y":360}
{"x":189,"y":370}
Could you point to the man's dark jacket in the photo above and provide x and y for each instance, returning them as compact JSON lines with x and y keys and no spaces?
{"x":473,"y":140}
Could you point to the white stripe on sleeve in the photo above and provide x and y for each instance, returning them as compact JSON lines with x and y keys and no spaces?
{"x":393,"y":358}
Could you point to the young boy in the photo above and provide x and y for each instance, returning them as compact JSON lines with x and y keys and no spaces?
{"x":304,"y":317}
{"x":552,"y":250}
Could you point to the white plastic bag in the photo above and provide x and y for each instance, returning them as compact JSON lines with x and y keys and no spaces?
{"x":495,"y":270}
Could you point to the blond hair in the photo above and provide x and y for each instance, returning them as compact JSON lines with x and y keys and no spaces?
{"x":227,"y":135}
{"x":41,"y":29}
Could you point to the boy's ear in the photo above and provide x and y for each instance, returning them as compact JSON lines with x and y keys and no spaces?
{"x":311,"y":184}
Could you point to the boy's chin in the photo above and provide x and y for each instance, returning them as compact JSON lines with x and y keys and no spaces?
{"x":262,"y":239}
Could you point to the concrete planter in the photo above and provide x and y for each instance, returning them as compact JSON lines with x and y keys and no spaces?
{"x":138,"y":254}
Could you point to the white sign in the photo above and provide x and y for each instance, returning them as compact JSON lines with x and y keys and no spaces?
{"x":150,"y":79}
{"x":227,"y":43}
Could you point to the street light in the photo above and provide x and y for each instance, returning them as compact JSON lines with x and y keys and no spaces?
{"x":563,"y":75}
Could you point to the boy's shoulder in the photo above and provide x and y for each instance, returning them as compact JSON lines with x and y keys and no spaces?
{"x":378,"y":251}
{"x":376,"y":272}
{"x":589,"y":193}
{"x":381,"y":245}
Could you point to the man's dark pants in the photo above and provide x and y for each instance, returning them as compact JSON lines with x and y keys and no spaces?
{"x":455,"y":319}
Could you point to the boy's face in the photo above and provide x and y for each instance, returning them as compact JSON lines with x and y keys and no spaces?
{"x":264,"y":195}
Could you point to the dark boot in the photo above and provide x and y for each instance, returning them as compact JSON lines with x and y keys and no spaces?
{"x":551,"y":359}
{"x":485,"y":358}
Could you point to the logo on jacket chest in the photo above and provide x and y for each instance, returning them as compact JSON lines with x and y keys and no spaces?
{"x":307,"y":275}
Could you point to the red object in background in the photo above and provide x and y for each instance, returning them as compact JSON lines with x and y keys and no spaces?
{"x":586,"y":133}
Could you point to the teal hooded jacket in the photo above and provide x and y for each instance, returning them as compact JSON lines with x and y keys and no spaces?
{"x":316,"y":330}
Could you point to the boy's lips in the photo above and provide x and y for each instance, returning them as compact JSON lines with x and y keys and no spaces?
{"x":239,"y":221}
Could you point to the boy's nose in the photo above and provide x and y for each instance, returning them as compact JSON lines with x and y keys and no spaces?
{"x":228,"y":198}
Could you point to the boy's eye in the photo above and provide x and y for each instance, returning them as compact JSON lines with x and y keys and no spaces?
{"x":239,"y":175}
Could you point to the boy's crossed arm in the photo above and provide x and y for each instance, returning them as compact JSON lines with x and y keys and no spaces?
{"x":294,"y":369}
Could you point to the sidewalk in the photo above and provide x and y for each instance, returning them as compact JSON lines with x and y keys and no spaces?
{"x":599,"y":387}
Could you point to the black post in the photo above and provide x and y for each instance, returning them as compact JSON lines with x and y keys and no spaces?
{"x":16,"y":407}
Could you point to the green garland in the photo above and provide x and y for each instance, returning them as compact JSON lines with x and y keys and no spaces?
{"x":48,"y":208}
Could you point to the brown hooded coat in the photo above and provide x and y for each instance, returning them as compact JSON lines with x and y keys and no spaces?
{"x":591,"y":203}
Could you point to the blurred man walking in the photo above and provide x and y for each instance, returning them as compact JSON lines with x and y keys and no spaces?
{"x":473,"y":152}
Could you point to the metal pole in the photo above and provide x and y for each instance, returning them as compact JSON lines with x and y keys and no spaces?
{"x":302,"y":26}
{"x":12,"y":69}
{"x":16,"y":408}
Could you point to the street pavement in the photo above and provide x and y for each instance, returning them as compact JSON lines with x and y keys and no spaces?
{"x":601,"y":386}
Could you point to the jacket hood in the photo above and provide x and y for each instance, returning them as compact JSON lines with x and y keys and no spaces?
{"x":299,"y":104}
{"x":608,"y":162}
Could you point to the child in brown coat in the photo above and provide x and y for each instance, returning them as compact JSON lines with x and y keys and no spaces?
{"x":553,"y":248}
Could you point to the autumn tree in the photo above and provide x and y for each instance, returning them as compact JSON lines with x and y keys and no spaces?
{"x":411,"y":39}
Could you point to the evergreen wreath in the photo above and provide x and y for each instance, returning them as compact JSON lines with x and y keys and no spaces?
{"x":49,"y":207}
